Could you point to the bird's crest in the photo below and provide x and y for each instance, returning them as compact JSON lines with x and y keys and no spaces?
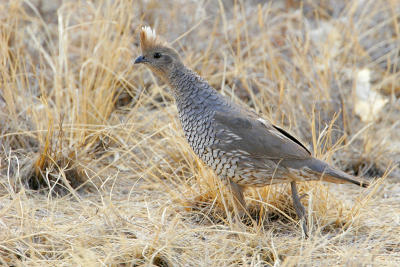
{"x":149,"y":39}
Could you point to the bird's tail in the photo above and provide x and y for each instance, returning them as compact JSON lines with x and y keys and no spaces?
{"x":333,"y":175}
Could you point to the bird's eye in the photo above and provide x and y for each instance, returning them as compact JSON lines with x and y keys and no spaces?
{"x":157,"y":55}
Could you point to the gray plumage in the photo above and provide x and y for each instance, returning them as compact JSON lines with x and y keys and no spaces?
{"x":242,"y":148}
{"x":238,"y":144}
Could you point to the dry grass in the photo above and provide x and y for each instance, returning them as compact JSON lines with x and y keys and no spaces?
{"x":94,"y":169}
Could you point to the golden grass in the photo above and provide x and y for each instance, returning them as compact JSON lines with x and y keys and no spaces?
{"x":94,"y":168}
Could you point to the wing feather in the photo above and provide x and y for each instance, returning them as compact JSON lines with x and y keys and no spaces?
{"x":257,"y":137}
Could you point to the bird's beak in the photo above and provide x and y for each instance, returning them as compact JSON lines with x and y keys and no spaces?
{"x":140,"y":59}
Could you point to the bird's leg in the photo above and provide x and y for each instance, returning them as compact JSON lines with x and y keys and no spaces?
{"x":238,"y":199}
{"x":301,"y":212}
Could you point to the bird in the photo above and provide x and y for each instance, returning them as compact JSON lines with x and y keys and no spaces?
{"x":244,"y":149}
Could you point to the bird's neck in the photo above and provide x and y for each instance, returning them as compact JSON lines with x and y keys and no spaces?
{"x":189,"y":87}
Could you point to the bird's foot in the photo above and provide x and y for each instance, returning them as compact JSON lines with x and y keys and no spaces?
{"x":300,"y":210}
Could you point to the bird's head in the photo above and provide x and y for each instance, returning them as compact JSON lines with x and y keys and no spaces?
{"x":156,"y":54}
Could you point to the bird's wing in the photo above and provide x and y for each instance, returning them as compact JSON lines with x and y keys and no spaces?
{"x":256,"y":137}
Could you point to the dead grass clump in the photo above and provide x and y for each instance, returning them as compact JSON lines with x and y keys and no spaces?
{"x":55,"y":70}
{"x":209,"y":203}
{"x":79,"y":122}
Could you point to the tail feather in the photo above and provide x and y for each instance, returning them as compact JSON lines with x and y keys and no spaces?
{"x":333,"y":175}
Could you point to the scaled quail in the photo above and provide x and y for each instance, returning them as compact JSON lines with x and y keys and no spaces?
{"x":242,"y":148}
